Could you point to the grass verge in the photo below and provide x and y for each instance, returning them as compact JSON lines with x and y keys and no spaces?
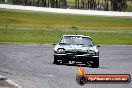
{"x":41,"y":28}
{"x":52,"y":21}
{"x":53,"y":36}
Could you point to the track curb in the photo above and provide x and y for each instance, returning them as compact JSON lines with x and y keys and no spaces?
{"x":13,"y":83}
{"x":3,"y":78}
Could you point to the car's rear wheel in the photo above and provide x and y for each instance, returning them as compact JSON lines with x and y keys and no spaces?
{"x":95,"y":63}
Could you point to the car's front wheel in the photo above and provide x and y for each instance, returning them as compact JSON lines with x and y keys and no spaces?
{"x":95,"y":63}
{"x":55,"y":61}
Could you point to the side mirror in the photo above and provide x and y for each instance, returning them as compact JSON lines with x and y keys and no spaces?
{"x":98,"y":46}
{"x":53,"y":44}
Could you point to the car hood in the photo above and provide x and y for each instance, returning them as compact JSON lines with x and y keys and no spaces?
{"x":76,"y":48}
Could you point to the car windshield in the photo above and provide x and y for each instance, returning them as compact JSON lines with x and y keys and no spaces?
{"x":70,"y":40}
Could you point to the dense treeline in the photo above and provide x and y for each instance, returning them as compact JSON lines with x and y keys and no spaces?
{"x":114,"y":5}
{"x":45,"y":3}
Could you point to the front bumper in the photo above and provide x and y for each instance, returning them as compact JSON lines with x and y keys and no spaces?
{"x":71,"y":57}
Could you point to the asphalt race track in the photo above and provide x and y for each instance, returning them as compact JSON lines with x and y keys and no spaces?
{"x":31,"y":66}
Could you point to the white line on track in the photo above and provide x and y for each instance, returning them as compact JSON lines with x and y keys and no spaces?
{"x":49,"y":75}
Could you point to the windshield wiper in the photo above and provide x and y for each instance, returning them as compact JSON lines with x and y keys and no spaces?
{"x":79,"y":44}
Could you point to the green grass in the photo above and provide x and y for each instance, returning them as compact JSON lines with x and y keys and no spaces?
{"x":47,"y":20}
{"x":53,"y":36}
{"x":41,"y":28}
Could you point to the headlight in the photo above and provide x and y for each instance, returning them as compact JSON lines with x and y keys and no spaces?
{"x":91,"y":52}
{"x":97,"y":53}
{"x":61,"y":51}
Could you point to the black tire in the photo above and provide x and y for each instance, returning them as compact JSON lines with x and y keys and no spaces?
{"x":95,"y":63}
{"x":55,"y":61}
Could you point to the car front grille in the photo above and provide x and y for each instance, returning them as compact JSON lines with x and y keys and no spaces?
{"x":76,"y":53}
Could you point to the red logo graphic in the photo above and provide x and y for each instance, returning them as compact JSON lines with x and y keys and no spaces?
{"x":83,"y":78}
